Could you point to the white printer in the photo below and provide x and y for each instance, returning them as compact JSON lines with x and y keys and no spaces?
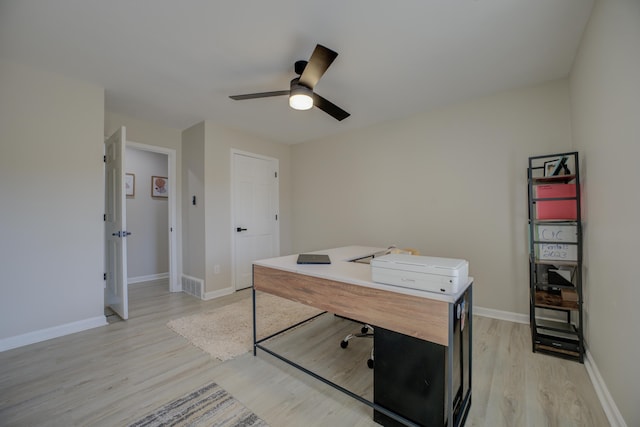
{"x":442,"y":275}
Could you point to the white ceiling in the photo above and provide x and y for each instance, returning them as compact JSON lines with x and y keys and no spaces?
{"x":176,"y":62}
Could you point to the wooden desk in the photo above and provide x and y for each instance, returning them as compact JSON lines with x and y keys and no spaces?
{"x":345,"y":288}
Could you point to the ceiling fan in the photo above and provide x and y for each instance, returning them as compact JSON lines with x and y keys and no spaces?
{"x":301,"y":94}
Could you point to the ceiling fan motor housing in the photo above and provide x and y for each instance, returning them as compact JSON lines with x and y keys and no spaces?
{"x":299,"y":67}
{"x":299,"y":88}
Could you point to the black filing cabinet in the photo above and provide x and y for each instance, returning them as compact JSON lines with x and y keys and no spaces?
{"x":410,"y":374}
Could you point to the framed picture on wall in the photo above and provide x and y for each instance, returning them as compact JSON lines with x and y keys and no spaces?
{"x":159,"y":186}
{"x":130,"y":184}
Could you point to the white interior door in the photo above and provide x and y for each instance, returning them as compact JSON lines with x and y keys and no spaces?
{"x":255,"y":199}
{"x":116,"y":291}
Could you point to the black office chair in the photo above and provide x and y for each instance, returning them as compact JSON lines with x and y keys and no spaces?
{"x":366,"y":328}
{"x":364,"y":333}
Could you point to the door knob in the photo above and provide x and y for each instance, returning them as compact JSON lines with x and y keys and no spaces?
{"x":239,"y":229}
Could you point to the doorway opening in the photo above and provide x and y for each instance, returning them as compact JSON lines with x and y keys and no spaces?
{"x":151,"y":212}
{"x":120,"y":185}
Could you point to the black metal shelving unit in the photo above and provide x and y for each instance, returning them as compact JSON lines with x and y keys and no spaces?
{"x":555,"y":255}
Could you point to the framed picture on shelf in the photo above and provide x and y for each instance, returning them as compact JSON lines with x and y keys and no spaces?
{"x":550,"y":167}
{"x":130,"y":184}
{"x":556,"y":167}
{"x":159,"y":186}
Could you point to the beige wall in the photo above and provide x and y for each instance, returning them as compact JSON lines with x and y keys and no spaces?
{"x":450,"y":183}
{"x":143,"y":131}
{"x":219,"y":141}
{"x":207,"y":174}
{"x":51,"y":187}
{"x":605,"y":101}
{"x":193,"y":236}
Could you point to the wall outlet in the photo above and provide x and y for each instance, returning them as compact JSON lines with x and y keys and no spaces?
{"x":216,"y":269}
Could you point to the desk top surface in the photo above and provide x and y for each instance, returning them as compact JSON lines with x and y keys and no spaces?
{"x":342,"y":269}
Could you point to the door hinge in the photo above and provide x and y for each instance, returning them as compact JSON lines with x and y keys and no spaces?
{"x":276,"y":217}
{"x":276,"y":174}
{"x":104,"y":217}
{"x":104,"y":276}
{"x":104,"y":159}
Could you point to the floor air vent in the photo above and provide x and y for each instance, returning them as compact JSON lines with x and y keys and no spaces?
{"x":192,"y":286}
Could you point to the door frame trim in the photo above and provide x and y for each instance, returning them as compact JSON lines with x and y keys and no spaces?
{"x":174,"y":197}
{"x":276,"y":196}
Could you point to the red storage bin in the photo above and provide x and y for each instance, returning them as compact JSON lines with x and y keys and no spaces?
{"x":556,"y":209}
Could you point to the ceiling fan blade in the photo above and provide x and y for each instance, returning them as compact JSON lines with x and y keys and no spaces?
{"x":320,"y":60}
{"x":329,"y":108}
{"x":259,"y":95}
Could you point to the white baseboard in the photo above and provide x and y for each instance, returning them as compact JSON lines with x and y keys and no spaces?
{"x":49,"y":333}
{"x":501,"y":315}
{"x":217,"y":294}
{"x":148,"y":278}
{"x":606,"y":400}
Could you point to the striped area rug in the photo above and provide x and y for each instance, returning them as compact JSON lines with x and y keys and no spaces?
{"x":209,"y":406}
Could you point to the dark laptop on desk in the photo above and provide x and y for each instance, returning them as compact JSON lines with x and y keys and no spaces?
{"x":313,"y":259}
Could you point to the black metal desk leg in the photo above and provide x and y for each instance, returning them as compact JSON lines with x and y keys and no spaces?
{"x":449,"y":369}
{"x":255,"y":336}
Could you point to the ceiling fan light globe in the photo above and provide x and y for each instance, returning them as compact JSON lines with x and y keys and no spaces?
{"x":300,"y":101}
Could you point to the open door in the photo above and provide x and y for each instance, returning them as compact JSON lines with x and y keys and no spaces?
{"x":116,"y":292}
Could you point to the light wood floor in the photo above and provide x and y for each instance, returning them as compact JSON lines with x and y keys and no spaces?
{"x":113,"y":375}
